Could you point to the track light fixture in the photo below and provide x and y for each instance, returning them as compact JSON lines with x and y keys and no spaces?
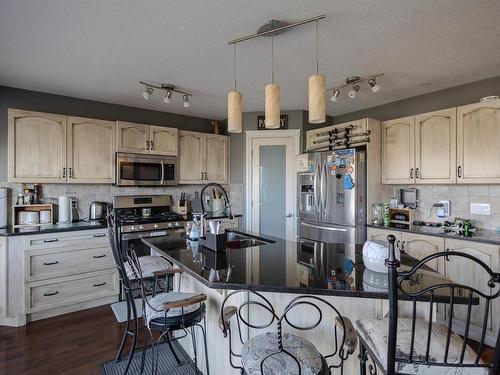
{"x":335,"y":96}
{"x":353,"y":92}
{"x":169,"y":88}
{"x":353,"y":82}
{"x":147,"y":93}
{"x":167,"y":97}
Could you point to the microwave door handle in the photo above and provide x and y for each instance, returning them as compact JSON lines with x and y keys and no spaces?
{"x":162,"y":172}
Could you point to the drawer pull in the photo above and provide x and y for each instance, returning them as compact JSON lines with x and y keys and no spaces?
{"x":100,"y":284}
{"x":100,"y":235}
{"x":99,"y":256}
{"x":51,"y":240}
{"x":50,"y":263}
{"x":50,"y":294}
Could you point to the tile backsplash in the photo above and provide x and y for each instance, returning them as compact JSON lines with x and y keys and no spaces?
{"x":460,"y":196}
{"x":86,"y":193}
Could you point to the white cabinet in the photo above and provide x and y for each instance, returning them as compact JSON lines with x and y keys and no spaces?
{"x":3,"y":277}
{"x":380,"y":235}
{"x":90,"y":150}
{"x":37,"y":147}
{"x":420,"y":246}
{"x":203,"y":158}
{"x":435,"y":147}
{"x":398,"y":152}
{"x":478,"y":140}
{"x":49,"y":148}
{"x":146,"y":139}
{"x":469,"y":273}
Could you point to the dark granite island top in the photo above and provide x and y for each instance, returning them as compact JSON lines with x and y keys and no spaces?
{"x":288,"y":267}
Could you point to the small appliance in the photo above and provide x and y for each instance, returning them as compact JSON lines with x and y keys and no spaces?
{"x":145,"y":170}
{"x":98,"y":210}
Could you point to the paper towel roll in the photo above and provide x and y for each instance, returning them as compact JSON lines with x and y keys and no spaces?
{"x":65,"y":210}
{"x":3,"y":207}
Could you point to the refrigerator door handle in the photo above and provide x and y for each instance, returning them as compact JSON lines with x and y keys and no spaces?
{"x":324,"y":194}
{"x":317,"y":203}
{"x":325,"y":228}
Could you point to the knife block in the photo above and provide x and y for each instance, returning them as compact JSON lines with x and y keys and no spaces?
{"x":214,"y":242}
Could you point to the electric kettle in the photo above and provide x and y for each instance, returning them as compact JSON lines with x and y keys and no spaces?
{"x":98,"y":210}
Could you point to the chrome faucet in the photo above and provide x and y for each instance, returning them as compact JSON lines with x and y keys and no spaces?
{"x":226,"y":197}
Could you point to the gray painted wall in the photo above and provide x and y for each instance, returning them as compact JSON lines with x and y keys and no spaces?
{"x":447,"y":98}
{"x":43,"y":102}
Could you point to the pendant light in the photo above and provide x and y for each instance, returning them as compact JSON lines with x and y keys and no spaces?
{"x":272,"y":98}
{"x":234,"y":104}
{"x":317,"y":105}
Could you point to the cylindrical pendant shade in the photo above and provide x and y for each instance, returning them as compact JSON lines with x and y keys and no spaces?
{"x":234,"y":112}
{"x":317,"y":105}
{"x":272,"y":119}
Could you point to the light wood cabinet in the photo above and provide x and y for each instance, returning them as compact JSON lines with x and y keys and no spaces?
{"x":380,"y":235}
{"x":478,"y":140}
{"x":3,"y":277}
{"x":132,"y":137}
{"x":146,"y":139}
{"x":398,"y":152}
{"x":435,"y":147}
{"x":217,"y":158}
{"x":203,"y":158}
{"x":90,"y":150}
{"x":419,"y":246}
{"x":163,"y":141}
{"x":466,"y":272}
{"x":37,"y":147}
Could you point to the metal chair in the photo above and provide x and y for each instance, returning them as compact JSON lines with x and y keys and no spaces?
{"x":274,"y":353}
{"x":131,"y":325}
{"x":414,"y":346}
{"x":170,"y":312}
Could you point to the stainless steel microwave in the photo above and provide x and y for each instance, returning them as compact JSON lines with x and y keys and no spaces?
{"x":146,"y":170}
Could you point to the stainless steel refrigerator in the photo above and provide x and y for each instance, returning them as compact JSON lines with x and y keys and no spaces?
{"x":332,"y":197}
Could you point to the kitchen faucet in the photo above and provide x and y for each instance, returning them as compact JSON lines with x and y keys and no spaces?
{"x":226,"y":197}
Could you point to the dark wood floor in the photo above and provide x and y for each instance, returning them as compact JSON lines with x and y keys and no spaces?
{"x":74,"y":343}
{"x":69,"y":344}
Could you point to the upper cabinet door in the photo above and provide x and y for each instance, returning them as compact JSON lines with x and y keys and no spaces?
{"x":163,"y":141}
{"x":37,"y":147}
{"x":217,"y":149}
{"x":478,"y":143}
{"x":191,"y":157}
{"x":435,"y":140}
{"x":90,"y":150}
{"x":398,"y":151}
{"x":132,"y":137}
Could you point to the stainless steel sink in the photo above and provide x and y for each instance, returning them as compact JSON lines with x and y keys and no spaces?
{"x":238,"y":240}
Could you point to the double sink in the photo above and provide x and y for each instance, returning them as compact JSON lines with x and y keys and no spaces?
{"x":237,"y":240}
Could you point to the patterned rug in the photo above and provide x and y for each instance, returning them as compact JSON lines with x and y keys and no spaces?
{"x":166,"y":363}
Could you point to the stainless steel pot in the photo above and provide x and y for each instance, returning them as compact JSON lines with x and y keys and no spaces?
{"x":97,"y":210}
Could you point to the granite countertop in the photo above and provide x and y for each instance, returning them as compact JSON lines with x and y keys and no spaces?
{"x":52,"y":228}
{"x":281,"y":266}
{"x":482,"y":235}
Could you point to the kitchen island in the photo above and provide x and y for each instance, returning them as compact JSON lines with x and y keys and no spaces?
{"x":280,"y":270}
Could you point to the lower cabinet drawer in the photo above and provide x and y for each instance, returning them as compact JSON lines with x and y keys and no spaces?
{"x":43,"y":295}
{"x":47,"y":263}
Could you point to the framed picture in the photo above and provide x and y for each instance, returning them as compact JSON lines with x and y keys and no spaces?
{"x":283,"y":122}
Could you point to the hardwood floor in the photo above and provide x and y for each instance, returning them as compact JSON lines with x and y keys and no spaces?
{"x":68,"y":344}
{"x":75,"y":343}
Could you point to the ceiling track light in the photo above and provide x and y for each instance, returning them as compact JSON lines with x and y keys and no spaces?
{"x":169,"y":88}
{"x":353,"y":82}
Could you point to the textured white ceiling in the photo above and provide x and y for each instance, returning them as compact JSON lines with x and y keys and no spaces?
{"x":99,"y":50}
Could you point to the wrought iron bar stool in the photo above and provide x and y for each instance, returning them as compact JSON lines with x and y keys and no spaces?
{"x":169,"y":312}
{"x":414,"y":346}
{"x":279,"y":353}
{"x":157,"y":268}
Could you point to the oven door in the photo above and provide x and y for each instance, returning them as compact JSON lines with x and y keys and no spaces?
{"x":145,"y":170}
{"x":133,"y":241}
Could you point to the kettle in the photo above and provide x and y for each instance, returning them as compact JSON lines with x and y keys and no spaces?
{"x":98,"y":210}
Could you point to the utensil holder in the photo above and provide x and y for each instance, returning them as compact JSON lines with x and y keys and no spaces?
{"x":214,"y":242}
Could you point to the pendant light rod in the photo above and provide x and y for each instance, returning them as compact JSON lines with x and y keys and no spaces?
{"x":317,"y":48}
{"x":277,"y":29}
{"x":234,"y":66}
{"x":272,"y":59}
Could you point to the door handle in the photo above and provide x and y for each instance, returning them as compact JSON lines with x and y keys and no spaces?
{"x":100,"y":284}
{"x":459,"y":171}
{"x":411,"y":173}
{"x":315,"y":187}
{"x":100,"y":235}
{"x":50,"y":294}
{"x":289,"y":215}
{"x":51,"y":240}
{"x":162,"y":172}
{"x":99,"y":256}
{"x":70,"y":170}
{"x":417,"y":173}
{"x":50,"y":263}
{"x":64,"y":172}
{"x":147,"y":145}
{"x":324,"y":198}
{"x":151,"y":145}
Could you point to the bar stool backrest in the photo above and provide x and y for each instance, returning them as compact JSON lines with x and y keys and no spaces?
{"x":400,"y":283}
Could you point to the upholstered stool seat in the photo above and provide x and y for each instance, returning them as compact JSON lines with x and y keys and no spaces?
{"x":259,"y":347}
{"x":154,"y":309}
{"x":373,"y":332}
{"x":149,"y":264}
